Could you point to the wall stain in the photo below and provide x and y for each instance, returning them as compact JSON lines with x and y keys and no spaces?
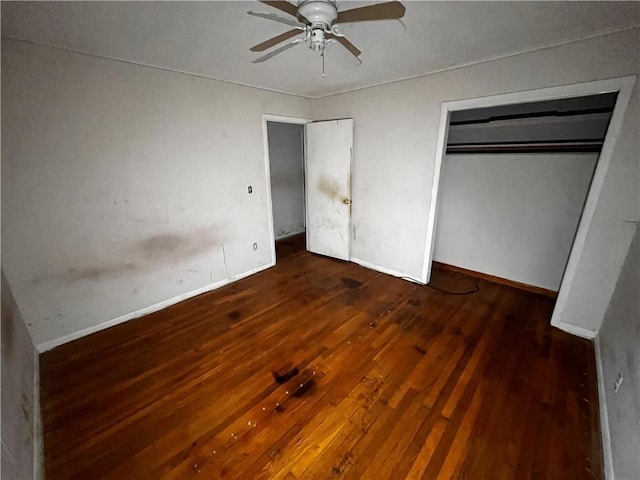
{"x":142,"y":255}
{"x":8,"y":323}
{"x":99,"y":272}
{"x":330,"y":188}
{"x":169,"y":246}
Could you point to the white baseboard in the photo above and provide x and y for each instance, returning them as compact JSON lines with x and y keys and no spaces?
{"x":575,"y":330}
{"x":50,"y":344}
{"x":604,"y":418}
{"x":387,"y":271}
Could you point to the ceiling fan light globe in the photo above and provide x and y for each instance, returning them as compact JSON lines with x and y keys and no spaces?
{"x":319,"y":12}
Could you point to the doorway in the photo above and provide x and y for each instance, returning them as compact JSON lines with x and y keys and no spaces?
{"x":513,"y":185}
{"x":285,"y":166}
{"x":286,"y":159}
{"x":308,"y":169}
{"x":623,"y":88}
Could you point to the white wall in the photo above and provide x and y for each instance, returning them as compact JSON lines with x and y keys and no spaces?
{"x":396,"y":129}
{"x":511,"y":215}
{"x":287,"y":177}
{"x":619,"y":352}
{"x":124,"y":186}
{"x":21,"y":441}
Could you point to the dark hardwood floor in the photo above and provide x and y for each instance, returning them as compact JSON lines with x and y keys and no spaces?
{"x":395,"y":380}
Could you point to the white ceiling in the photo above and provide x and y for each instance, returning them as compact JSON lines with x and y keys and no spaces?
{"x":213,"y":38}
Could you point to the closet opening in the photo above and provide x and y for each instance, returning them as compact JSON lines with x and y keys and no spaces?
{"x":516,"y":181}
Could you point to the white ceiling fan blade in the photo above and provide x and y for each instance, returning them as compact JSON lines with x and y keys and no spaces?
{"x":277,"y":51}
{"x":277,"y":18}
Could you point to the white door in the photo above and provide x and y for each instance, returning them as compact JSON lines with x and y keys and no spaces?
{"x":329,"y":147}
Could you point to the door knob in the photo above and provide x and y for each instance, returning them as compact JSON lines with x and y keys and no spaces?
{"x":346,"y":201}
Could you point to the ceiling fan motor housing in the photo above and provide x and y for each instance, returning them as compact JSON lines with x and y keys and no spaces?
{"x":319,"y":12}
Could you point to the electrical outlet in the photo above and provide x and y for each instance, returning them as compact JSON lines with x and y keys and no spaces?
{"x":616,"y":386}
{"x":255,"y":246}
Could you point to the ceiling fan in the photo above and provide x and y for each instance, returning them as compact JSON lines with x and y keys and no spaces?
{"x":319,"y":20}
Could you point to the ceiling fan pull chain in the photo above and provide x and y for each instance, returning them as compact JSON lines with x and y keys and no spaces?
{"x":322,"y":63}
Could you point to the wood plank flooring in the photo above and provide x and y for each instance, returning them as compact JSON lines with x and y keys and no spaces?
{"x":395,"y":380}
